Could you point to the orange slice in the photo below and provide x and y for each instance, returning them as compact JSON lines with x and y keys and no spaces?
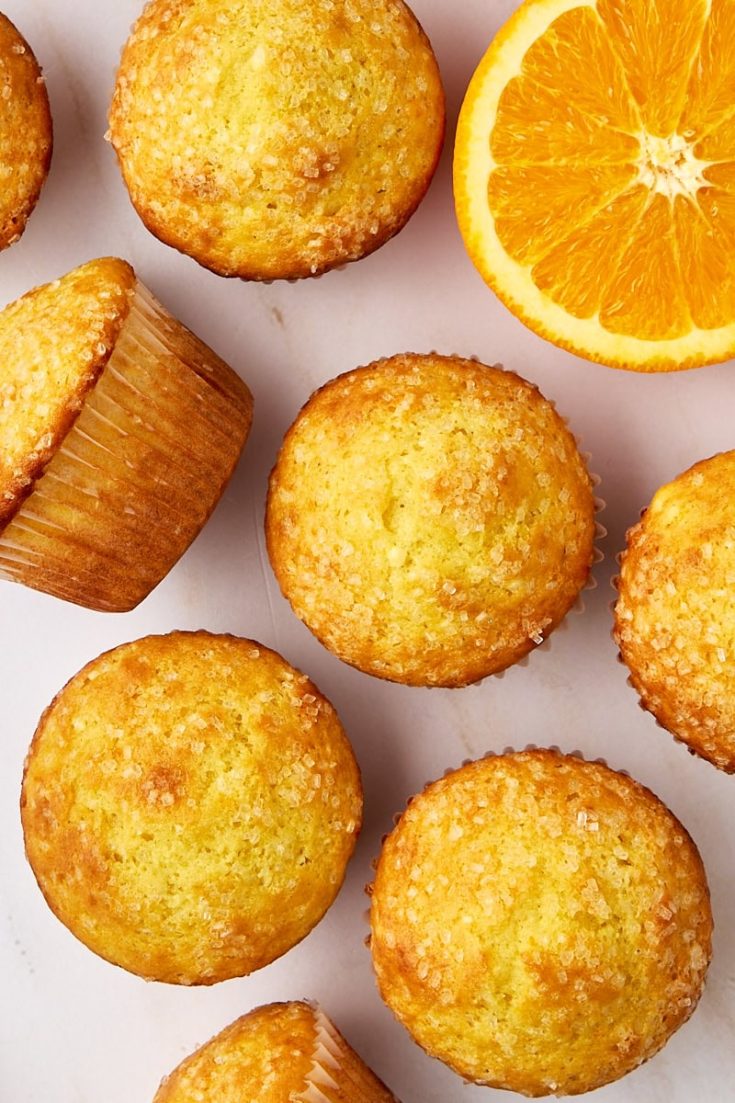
{"x":594,"y":177}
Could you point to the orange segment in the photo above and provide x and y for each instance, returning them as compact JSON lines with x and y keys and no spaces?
{"x":706,"y":265}
{"x":595,"y":177}
{"x":657,"y":42}
{"x":711,"y":91}
{"x":646,"y":296}
{"x":576,"y":51}
{"x":718,"y":207}
{"x":719,"y":144}
{"x":722,"y":174}
{"x":537,"y":125}
{"x":577,"y":273}
{"x":529,"y":230}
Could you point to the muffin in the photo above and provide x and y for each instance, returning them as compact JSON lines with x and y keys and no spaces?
{"x":540,"y":923}
{"x":277,"y":139}
{"x":25,"y":132}
{"x":120,"y":431}
{"x":283,"y":1052}
{"x":190,"y":803}
{"x":675,"y":615}
{"x":430,"y":519}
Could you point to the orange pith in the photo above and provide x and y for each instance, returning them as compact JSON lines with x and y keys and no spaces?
{"x":595,"y":177}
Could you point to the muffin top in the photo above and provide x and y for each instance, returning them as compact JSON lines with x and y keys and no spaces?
{"x":540,"y":923}
{"x":675,"y":616}
{"x":430,"y":519}
{"x":277,"y":138}
{"x":25,"y":132}
{"x":190,"y":803}
{"x":282,"y":1052}
{"x":263,"y":1057}
{"x":54,"y":342}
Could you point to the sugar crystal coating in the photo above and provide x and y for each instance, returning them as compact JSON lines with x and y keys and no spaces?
{"x":540,"y":923}
{"x":188,"y":814}
{"x":430,"y":519}
{"x":675,"y":617}
{"x":25,"y":132}
{"x":277,"y":139}
{"x":54,"y":342}
{"x":281,"y":1052}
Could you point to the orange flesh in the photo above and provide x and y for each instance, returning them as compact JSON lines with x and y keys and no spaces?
{"x":614,"y":154}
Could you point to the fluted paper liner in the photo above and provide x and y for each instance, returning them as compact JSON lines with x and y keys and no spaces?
{"x":139,"y":473}
{"x":338,"y":1075}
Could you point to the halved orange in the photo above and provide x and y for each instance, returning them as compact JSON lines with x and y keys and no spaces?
{"x":594,"y":177}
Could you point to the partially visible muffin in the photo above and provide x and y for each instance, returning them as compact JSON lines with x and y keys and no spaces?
{"x":282,"y":1053}
{"x":120,"y":431}
{"x":675,"y":614}
{"x":277,"y":139}
{"x":540,"y":923}
{"x":26,"y":133}
{"x":190,"y":803}
{"x":430,"y":519}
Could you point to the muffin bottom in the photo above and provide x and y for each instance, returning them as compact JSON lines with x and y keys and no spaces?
{"x":139,"y":473}
{"x":289,"y":1050}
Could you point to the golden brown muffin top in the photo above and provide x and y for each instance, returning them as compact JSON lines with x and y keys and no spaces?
{"x":54,"y":342}
{"x":277,"y":138}
{"x":675,"y":616}
{"x":430,"y":518}
{"x":282,"y":1053}
{"x":190,"y":803}
{"x":25,"y":132}
{"x":540,"y":923}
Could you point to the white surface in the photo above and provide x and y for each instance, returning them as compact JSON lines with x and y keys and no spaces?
{"x":76,"y":1030}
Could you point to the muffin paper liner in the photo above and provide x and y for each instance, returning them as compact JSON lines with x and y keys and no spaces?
{"x":312,"y":275}
{"x":339,"y":1071}
{"x":139,"y":473}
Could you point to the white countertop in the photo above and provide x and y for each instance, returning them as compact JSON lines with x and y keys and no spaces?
{"x":74,"y":1029}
